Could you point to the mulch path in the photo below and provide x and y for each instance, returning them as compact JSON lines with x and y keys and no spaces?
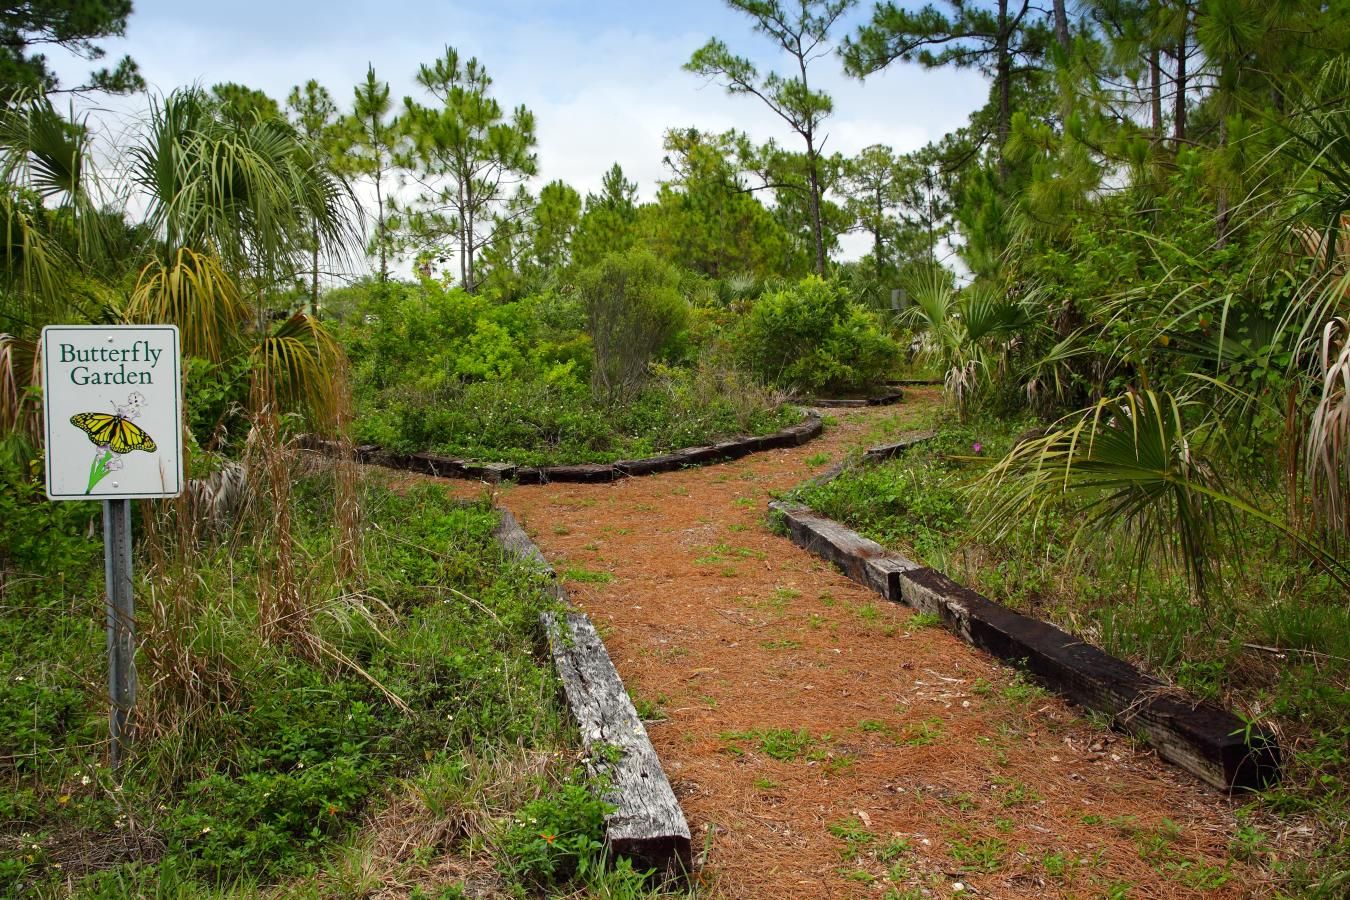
{"x":821,"y":744}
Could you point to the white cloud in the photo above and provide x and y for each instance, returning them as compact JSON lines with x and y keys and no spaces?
{"x":602,"y":90}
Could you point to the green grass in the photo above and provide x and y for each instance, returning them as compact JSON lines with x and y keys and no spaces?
{"x":925,"y":620}
{"x":783,"y":744}
{"x":274,"y":773}
{"x":985,"y":856}
{"x":587,"y":576}
{"x":922,"y":733}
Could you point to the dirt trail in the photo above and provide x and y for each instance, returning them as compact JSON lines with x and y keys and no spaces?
{"x":824,"y":746}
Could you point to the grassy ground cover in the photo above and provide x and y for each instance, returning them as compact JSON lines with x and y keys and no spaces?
{"x":535,"y":422}
{"x":262,"y":766}
{"x":1270,"y":639}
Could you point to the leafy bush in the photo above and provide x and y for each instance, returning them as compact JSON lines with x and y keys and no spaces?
{"x":633,"y":310}
{"x":552,"y":837}
{"x":811,"y":337}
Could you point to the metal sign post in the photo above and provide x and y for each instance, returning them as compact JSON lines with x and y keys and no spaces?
{"x":112,"y":410}
{"x":121,"y":620}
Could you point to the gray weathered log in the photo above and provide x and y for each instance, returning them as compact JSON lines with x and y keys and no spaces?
{"x":1201,"y":738}
{"x":886,"y":399}
{"x":647,"y":823}
{"x":581,"y":473}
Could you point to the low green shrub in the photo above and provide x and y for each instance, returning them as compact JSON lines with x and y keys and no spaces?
{"x":539,"y":422}
{"x":551,"y":838}
{"x":812,"y":337}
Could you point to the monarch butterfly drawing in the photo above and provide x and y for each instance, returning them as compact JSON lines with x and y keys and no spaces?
{"x":114,"y":431}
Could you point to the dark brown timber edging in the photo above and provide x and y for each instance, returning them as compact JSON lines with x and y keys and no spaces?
{"x":873,"y":455}
{"x":887,"y":399}
{"x":647,"y":824}
{"x":585,"y":473}
{"x":1201,"y":738}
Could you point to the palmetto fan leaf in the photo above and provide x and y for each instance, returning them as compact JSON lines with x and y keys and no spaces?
{"x":299,"y":365}
{"x":1320,"y":142}
{"x":1128,"y":462}
{"x":19,"y":409}
{"x":194,"y":292}
{"x":42,"y":150}
{"x":254,"y":194}
{"x":1133,"y":463}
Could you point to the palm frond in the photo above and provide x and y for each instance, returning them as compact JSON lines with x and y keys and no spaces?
{"x":20,"y":410}
{"x":299,"y":366}
{"x":1134,"y":463}
{"x":194,"y":292}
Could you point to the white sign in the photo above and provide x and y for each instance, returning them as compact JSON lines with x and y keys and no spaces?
{"x":112,"y":407}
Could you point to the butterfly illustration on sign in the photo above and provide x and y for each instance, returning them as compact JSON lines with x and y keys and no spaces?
{"x":115,"y":435}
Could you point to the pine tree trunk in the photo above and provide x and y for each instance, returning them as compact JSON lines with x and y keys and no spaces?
{"x":1004,"y":78}
{"x":314,"y":286}
{"x":463,"y":243}
{"x":1222,"y":212}
{"x":379,"y":228}
{"x":1155,"y":91}
{"x":1062,"y":26}
{"x":470,"y":283}
{"x":815,"y":210}
{"x":1179,"y":101}
{"x":876,"y":234}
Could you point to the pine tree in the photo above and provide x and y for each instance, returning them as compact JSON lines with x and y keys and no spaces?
{"x":315,"y":116}
{"x":802,"y":34}
{"x":469,"y":157}
{"x":369,"y":137}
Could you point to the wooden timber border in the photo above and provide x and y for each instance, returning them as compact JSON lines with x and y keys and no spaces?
{"x":890,"y":398}
{"x":647,"y":824}
{"x":1209,"y":742}
{"x":586,"y":473}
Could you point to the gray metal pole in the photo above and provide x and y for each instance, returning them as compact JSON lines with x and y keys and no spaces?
{"x":121,"y":620}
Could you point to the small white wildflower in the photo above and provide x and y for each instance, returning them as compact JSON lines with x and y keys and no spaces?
{"x":85,"y":779}
{"x":19,"y":678}
{"x":206,"y":830}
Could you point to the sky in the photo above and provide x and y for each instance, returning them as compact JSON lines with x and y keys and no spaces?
{"x":603,"y":78}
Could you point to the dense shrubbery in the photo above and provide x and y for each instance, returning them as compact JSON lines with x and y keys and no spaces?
{"x":530,"y":382}
{"x":812,"y":337}
{"x":633,"y":311}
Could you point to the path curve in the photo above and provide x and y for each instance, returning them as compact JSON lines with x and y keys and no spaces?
{"x":924,"y":763}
